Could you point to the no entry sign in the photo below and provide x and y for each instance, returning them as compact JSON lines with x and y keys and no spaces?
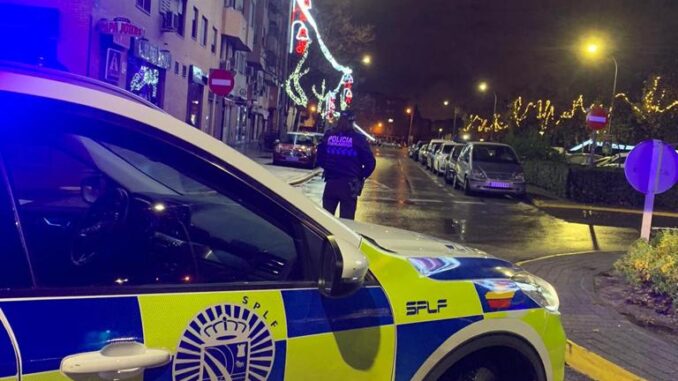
{"x":221,"y":82}
{"x":597,"y":118}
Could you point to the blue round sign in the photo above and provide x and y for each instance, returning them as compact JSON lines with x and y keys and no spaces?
{"x":638,"y":167}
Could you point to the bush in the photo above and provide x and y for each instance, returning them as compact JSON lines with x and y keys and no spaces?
{"x":592,"y":185}
{"x":654,"y":265}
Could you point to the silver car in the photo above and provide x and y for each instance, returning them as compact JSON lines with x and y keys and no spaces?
{"x":451,"y":163}
{"x":490,"y":167}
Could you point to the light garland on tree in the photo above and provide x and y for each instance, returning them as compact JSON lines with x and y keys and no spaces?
{"x":300,"y":43}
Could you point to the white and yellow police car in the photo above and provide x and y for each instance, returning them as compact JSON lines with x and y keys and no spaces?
{"x":133,"y":246}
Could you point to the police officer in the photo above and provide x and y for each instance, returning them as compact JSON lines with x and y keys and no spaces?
{"x":348,"y":160}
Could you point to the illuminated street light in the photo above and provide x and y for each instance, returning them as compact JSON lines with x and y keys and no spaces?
{"x":483,"y":87}
{"x":367,"y":60}
{"x":313,"y":108}
{"x":409,"y":112}
{"x":446,"y":103}
{"x":380,"y":125}
{"x":595,"y":48}
{"x":390,"y":120}
{"x":466,"y":137}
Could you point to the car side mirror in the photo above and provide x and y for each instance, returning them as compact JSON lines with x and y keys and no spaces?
{"x":342,"y":272}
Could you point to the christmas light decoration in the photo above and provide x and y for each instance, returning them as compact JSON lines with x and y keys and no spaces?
{"x":301,"y":25}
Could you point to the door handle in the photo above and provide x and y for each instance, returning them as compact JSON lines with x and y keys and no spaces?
{"x":116,"y":361}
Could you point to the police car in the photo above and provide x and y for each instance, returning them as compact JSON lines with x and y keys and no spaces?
{"x":133,"y":246}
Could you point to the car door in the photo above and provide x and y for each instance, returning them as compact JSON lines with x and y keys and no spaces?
{"x":173,"y":266}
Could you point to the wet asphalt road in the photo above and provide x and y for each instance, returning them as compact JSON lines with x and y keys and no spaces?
{"x":403,"y":194}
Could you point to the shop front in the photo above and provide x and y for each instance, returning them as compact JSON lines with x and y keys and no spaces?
{"x":146,"y":70}
{"x":196,"y":90}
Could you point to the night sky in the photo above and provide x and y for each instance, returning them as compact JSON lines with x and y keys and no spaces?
{"x":429,"y":50}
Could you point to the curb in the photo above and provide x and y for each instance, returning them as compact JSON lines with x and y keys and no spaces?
{"x":584,"y":361}
{"x":302,"y":179}
{"x":562,"y":205}
{"x":594,"y":366}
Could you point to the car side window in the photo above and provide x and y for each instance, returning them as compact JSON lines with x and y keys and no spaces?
{"x":119,"y":208}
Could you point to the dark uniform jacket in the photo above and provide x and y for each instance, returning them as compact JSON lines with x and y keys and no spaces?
{"x":345,"y":155}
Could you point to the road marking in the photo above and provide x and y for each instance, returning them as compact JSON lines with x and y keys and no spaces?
{"x":555,"y":205}
{"x":420,"y":200}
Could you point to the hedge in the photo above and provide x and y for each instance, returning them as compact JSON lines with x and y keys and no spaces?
{"x":592,"y":185}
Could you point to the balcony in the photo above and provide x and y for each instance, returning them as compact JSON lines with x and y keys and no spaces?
{"x":236,"y":31}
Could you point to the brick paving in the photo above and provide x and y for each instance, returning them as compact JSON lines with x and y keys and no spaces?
{"x":599,"y":328}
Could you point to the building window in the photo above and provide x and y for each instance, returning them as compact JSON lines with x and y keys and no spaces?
{"x":194,"y":25}
{"x":183,"y":71}
{"x":203,"y":31}
{"x":214,"y":40}
{"x":176,"y":67}
{"x":236,"y":4}
{"x":145,"y":5}
{"x":182,"y":18}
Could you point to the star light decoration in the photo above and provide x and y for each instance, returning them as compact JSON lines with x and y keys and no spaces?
{"x":544,"y":111}
{"x":302,"y":24}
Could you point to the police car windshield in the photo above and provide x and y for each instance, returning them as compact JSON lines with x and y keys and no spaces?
{"x":299,"y":139}
{"x":447,"y":149}
{"x":160,"y":172}
{"x":494,"y":154}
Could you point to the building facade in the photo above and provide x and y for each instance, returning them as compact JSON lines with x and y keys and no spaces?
{"x":163,"y":50}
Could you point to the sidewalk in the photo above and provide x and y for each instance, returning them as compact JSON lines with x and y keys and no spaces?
{"x":592,"y":326}
{"x":292,"y":175}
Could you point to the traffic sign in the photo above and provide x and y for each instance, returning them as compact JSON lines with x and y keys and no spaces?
{"x":651,"y":168}
{"x":221,"y":82}
{"x":597,"y":118}
{"x":638,"y":167}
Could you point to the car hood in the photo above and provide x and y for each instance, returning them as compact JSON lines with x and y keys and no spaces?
{"x":510,"y":168}
{"x":411,"y":244}
{"x":435,"y":258}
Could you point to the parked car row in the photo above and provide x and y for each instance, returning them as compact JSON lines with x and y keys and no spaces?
{"x":473,"y":167}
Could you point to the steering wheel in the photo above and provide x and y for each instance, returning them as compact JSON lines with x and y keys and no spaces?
{"x":99,"y":226}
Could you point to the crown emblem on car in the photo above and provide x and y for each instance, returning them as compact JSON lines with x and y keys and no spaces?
{"x":223,"y":340}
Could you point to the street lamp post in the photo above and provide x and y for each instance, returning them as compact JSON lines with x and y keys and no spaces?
{"x":594,"y":48}
{"x":483,"y":87}
{"x":410,"y":112}
{"x":454,"y":120}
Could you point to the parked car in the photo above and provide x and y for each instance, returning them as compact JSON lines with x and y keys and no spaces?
{"x":451,"y":163}
{"x":300,"y":148}
{"x":423,"y":153}
{"x":433,"y":148}
{"x":490,"y":167}
{"x":440,"y":158}
{"x":614,"y":161}
{"x":413,"y":151}
{"x":581,"y":158}
{"x":137,"y":247}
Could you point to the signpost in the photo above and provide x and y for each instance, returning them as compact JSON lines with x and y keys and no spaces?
{"x":651,"y":168}
{"x":221,"y":83}
{"x":596,"y":120}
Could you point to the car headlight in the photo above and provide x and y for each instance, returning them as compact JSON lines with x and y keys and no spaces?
{"x":519,"y":177}
{"x":478,"y":174}
{"x":539,"y":290}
